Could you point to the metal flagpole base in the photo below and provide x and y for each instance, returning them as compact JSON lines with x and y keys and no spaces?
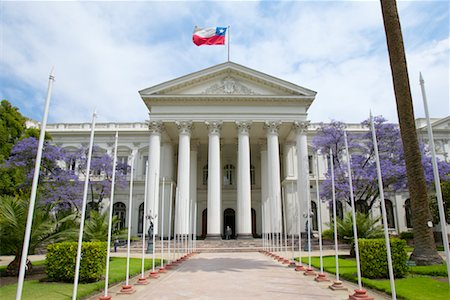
{"x":337,"y":286}
{"x":142,"y":281}
{"x":321,"y":277}
{"x":280,"y":259}
{"x":162,"y":270}
{"x":299,"y":268}
{"x":360,"y":294}
{"x":292,"y":264}
{"x":105,"y":297}
{"x":286,"y":261}
{"x":169,"y":266}
{"x":309,"y":272}
{"x":127,"y":289}
{"x":153,"y":275}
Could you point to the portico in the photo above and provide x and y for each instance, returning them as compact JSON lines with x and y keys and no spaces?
{"x":228,"y":123}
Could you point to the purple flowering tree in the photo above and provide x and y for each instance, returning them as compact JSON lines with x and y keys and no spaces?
{"x":62,"y":172}
{"x":363,"y":165}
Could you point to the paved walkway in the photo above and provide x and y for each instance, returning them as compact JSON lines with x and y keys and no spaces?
{"x":248,"y":275}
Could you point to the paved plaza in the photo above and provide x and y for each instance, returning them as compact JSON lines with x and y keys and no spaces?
{"x":244,"y":275}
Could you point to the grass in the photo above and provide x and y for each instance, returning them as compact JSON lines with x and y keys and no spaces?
{"x":33,"y":289}
{"x":412,"y":287}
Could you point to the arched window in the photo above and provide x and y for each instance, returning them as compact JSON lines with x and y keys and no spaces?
{"x":229,"y":173}
{"x":408,"y":213}
{"x":140,"y":217}
{"x":390,"y":213}
{"x":361,"y":206}
{"x":339,"y":210}
{"x":205,"y":175}
{"x":252,"y":175}
{"x":119,"y":210}
{"x":314,"y":216}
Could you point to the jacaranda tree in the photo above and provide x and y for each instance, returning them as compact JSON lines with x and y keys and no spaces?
{"x":365,"y":183}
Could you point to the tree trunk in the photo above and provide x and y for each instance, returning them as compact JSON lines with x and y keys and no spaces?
{"x":13,"y":267}
{"x":425,"y":252}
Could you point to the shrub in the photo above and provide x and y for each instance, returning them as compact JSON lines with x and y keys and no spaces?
{"x":373,"y":258}
{"x":406,"y":235}
{"x":328,"y":234}
{"x":61,"y":259}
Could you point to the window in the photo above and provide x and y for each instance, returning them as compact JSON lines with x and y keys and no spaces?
{"x":122,"y":163}
{"x":310,"y":164}
{"x":361,"y":206}
{"x":408,"y":213}
{"x":314,"y":217}
{"x":119,"y":210}
{"x":71,"y":164}
{"x":390,"y":213}
{"x":140,"y":217}
{"x":252,"y":175}
{"x":339,"y":210}
{"x":205,"y":175}
{"x":229,"y":171}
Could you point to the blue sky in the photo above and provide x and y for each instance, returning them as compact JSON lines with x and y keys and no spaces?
{"x":105,"y":52}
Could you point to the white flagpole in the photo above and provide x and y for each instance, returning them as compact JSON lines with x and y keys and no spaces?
{"x":285,"y":228}
{"x":437,"y":180}
{"x":175,"y":226}
{"x":383,"y":210}
{"x":154,"y":219}
{"x":228,"y":43}
{"x":169,"y":236}
{"x":195,"y":226}
{"x":299,"y":220}
{"x":292,"y":223}
{"x":37,"y":166}
{"x":319,"y":213}
{"x":334,"y":215}
{"x":130,"y":211}
{"x":161,"y":269}
{"x":144,"y":225}
{"x":352,"y":200}
{"x":83,"y":208}
{"x":309,"y":227}
{"x":111,"y":203}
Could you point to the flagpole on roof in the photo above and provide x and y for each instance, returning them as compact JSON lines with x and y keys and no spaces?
{"x":228,"y":42}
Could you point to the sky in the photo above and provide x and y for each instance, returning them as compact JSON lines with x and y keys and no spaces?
{"x":104,"y":52}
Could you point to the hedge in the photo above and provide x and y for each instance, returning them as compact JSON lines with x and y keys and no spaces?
{"x":373,"y":258}
{"x":61,"y":259}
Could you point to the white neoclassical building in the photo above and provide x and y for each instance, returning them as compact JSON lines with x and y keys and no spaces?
{"x":226,"y":146}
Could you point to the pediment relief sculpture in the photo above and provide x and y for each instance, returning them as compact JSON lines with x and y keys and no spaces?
{"x":229,"y":85}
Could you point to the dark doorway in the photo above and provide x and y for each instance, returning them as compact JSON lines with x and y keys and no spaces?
{"x":229,"y":219}
{"x":254,"y":222}
{"x":204,"y":222}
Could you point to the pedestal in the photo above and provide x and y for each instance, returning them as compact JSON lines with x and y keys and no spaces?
{"x":142,"y":281}
{"x":105,"y":297}
{"x":321,"y":277}
{"x":360,"y":294}
{"x":309,"y":272}
{"x":337,"y":286}
{"x":299,"y":268}
{"x":153,"y":275}
{"x":127,"y":289}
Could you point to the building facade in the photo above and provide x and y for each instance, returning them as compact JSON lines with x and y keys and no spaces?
{"x":226,"y":146}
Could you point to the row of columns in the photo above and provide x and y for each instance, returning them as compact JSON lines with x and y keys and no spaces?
{"x":187,"y":174}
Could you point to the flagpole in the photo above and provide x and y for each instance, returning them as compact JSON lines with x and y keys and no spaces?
{"x":437,"y":181}
{"x":383,"y":209}
{"x":83,"y":209}
{"x":228,"y":42}
{"x":169,"y":236}
{"x":127,"y":287}
{"x":161,"y":268}
{"x":321,"y":276}
{"x":143,"y":280}
{"x":111,"y":202}
{"x":26,"y":239}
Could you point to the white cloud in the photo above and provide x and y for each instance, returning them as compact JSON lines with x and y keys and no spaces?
{"x":105,"y":52}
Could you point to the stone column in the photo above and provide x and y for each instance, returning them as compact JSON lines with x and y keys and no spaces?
{"x":214,"y":181}
{"x":273,"y":160}
{"x":302,"y":169}
{"x":183,"y":181}
{"x":244,"y":201}
{"x":167,"y":168}
{"x":264,"y":185}
{"x":154,"y":155}
{"x":193,"y":183}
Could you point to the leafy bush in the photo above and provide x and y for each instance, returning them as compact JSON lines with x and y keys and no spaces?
{"x":61,"y":259}
{"x":406,"y":235}
{"x":328,"y":234}
{"x":373,"y":258}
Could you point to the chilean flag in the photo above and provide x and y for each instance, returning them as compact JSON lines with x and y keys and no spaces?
{"x":209,"y":36}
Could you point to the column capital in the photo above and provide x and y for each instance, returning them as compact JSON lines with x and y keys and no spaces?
{"x":301,"y":127}
{"x":184,"y":127}
{"x":155,"y":127}
{"x":214,"y":127}
{"x":272,"y":127}
{"x":243,"y":127}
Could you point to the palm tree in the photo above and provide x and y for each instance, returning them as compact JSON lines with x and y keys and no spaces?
{"x":424,"y":247}
{"x":13,"y":217}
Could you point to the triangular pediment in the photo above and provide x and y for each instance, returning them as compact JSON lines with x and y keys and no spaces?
{"x":227,"y":79}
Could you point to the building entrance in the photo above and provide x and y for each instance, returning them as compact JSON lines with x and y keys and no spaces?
{"x":229,"y":219}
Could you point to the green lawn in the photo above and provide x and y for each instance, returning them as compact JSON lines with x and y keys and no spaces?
{"x":33,"y":289}
{"x":412,"y":287}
